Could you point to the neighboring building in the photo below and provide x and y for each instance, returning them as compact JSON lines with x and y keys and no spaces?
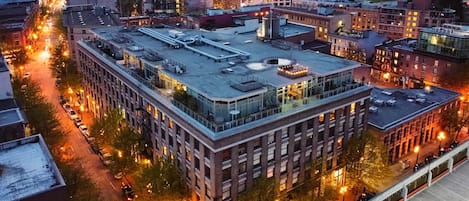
{"x":79,"y":19}
{"x":328,"y":3}
{"x":406,"y":118}
{"x":16,"y":24}
{"x":219,"y":18}
{"x":356,"y":45}
{"x":28,"y":171}
{"x":364,"y":18}
{"x":227,"y":111}
{"x":325,"y":19}
{"x":448,"y":40}
{"x":409,"y":17}
{"x":12,"y":120}
{"x":410,"y":63}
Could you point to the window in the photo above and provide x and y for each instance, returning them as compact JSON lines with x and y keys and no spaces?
{"x":242,"y":167}
{"x":297,"y":145}
{"x":283,"y":167}
{"x":242,"y":149}
{"x":270,"y":171}
{"x":188,"y":155}
{"x":271,"y":138}
{"x":196,"y":163}
{"x":256,"y":161}
{"x":226,"y":154}
{"x":196,"y":144}
{"x":242,"y":186}
{"x":352,"y":108}
{"x":283,"y":184}
{"x":226,"y":193}
{"x":270,"y":154}
{"x":207,"y":153}
{"x":321,"y":118}
{"x":207,"y":171}
{"x":284,"y":149}
{"x":298,"y":128}
{"x":257,"y":143}
{"x":227,"y":174}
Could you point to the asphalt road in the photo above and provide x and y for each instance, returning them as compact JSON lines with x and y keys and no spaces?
{"x":41,"y":73}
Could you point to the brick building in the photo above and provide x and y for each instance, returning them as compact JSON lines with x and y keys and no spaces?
{"x":357,"y":45}
{"x":325,"y":19}
{"x":406,"y":118}
{"x":251,"y":110}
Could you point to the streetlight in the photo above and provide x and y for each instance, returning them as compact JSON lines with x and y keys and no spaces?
{"x":441,"y":137}
{"x":70,"y":92}
{"x":342,"y":191}
{"x":416,"y":150}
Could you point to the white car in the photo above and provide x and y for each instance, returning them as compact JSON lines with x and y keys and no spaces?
{"x":83,"y":130}
{"x":72,"y":114}
{"x":27,"y":75}
{"x":67,"y":107}
{"x":106,"y":158}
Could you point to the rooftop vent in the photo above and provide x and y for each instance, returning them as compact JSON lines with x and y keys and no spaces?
{"x":379,"y":102}
{"x":420,"y":100}
{"x":410,"y":100}
{"x":391,"y":102}
{"x":373,"y":109}
{"x":386,"y":92}
{"x":135,"y":48}
{"x":248,"y":86}
{"x":227,"y":70}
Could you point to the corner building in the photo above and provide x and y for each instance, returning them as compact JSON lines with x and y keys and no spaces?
{"x":227,"y":111}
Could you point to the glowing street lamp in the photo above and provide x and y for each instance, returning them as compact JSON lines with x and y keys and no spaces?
{"x":342,"y":191}
{"x":416,"y":150}
{"x":70,"y":92}
{"x":441,"y":137}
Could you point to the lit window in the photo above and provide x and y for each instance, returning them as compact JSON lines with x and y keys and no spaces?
{"x":352,"y":108}
{"x":416,"y":67}
{"x":434,"y":40}
{"x":416,"y":13}
{"x":414,"y":24}
{"x":270,"y":171}
{"x":414,"y":18}
{"x":320,"y":29}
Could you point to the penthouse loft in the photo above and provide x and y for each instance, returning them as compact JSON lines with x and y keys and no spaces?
{"x":224,"y":81}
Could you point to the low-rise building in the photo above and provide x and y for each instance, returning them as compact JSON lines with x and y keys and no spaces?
{"x":356,"y":45}
{"x":411,"y":63}
{"x":12,"y":119}
{"x":325,"y":19}
{"x":407,"y":18}
{"x":16,"y":24}
{"x":406,"y":118}
{"x":28,"y":171}
{"x":79,"y":19}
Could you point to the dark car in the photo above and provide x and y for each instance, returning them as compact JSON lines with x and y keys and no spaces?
{"x":127,"y":191}
{"x":96,"y":149}
{"x":454,"y":144}
{"x":62,"y":100}
{"x":430,"y":158}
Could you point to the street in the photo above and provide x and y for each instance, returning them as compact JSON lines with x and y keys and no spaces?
{"x":40,"y":71}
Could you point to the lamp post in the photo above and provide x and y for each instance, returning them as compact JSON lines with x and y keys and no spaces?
{"x":342,"y":191}
{"x":441,"y":137}
{"x":70,"y":92}
{"x":416,"y":150}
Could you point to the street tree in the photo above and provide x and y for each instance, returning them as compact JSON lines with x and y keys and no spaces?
{"x":366,"y":160}
{"x":163,"y":181}
{"x":456,"y":77}
{"x":262,"y":189}
{"x":452,"y":122}
{"x":79,"y":186}
{"x":127,"y":145}
{"x":40,"y":113}
{"x":19,"y":57}
{"x":105,"y":129}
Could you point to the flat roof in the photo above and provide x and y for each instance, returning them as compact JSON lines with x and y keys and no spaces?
{"x":27,"y":168}
{"x":89,"y":16}
{"x":460,"y":31}
{"x":397,"y":106}
{"x":309,"y":11}
{"x":214,"y":62}
{"x":451,"y":187}
{"x":10,"y":116}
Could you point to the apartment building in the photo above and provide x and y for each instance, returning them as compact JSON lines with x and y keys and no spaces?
{"x":364,"y":18}
{"x":411,"y":63}
{"x":16,"y":24}
{"x":356,"y":45}
{"x":79,"y":19}
{"x":227,"y":111}
{"x":407,"y":18}
{"x":325,"y":19}
{"x":406,"y":118}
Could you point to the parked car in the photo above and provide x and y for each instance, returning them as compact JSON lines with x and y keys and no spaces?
{"x":88,"y":137}
{"x":430,"y":158}
{"x":67,"y":107}
{"x":72,"y":114}
{"x":106,"y":158}
{"x":95,"y":147}
{"x":62,"y":100}
{"x":127,"y":191}
{"x":77,"y":122}
{"x":119,"y":176}
{"x":83,"y":129}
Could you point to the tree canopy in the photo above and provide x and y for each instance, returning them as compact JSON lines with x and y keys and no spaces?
{"x":456,"y":77}
{"x":452,"y":122}
{"x":127,"y":144}
{"x":366,"y":160}
{"x":164,"y":181}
